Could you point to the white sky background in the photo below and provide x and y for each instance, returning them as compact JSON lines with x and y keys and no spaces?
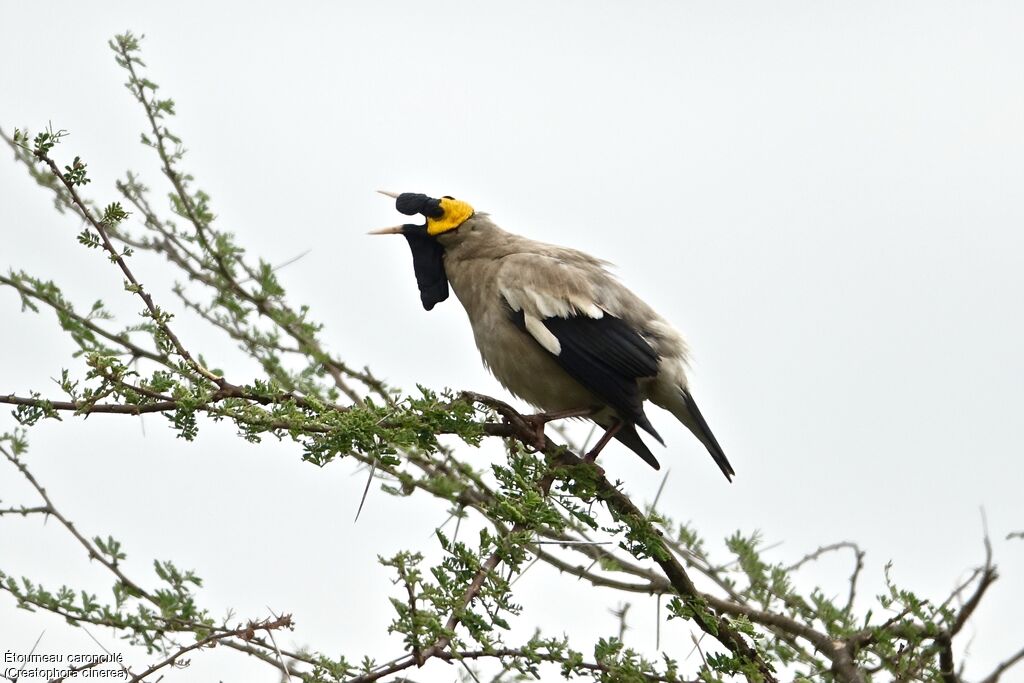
{"x":825,"y":198}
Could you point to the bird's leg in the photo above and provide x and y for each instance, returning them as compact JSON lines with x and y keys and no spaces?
{"x":603,"y":441}
{"x":540,"y":420}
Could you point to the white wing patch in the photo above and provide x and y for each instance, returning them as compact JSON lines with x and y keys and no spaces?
{"x":591,"y":310}
{"x":546,"y":306}
{"x":536,"y":306}
{"x":543,"y":335}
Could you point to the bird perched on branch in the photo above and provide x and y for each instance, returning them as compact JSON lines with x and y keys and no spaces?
{"x":553,"y":325}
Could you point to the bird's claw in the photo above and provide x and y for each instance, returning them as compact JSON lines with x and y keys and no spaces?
{"x":539,"y":421}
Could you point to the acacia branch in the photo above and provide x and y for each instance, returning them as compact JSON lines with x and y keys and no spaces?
{"x":841,"y":654}
{"x":223,"y":267}
{"x":501,"y":654}
{"x":122,"y":339}
{"x":858,"y":566}
{"x":517,"y":426}
{"x":621,"y":505}
{"x":25,"y":511}
{"x":159,"y":318}
{"x":988,"y":577}
{"x":1004,"y":667}
{"x":93,"y":551}
{"x":719,"y":627}
{"x":245,"y":633}
{"x":221,"y":635}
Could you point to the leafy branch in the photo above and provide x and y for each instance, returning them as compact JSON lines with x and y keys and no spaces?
{"x":543,"y":503}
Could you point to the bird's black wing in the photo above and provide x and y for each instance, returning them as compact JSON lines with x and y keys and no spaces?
{"x":607,"y":356}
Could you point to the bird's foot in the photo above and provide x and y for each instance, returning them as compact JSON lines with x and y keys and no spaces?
{"x":540,"y":420}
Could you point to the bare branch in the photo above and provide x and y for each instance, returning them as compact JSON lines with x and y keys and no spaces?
{"x":244,"y":633}
{"x":1004,"y":667}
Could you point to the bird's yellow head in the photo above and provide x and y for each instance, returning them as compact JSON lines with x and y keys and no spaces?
{"x":444,"y":214}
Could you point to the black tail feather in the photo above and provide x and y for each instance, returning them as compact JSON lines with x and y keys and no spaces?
{"x":629,"y":437}
{"x":645,"y":424}
{"x":699,"y":426}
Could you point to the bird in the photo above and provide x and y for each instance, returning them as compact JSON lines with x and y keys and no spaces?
{"x":553,"y":325}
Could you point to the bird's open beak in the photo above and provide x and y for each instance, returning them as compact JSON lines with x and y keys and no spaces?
{"x":395,"y":230}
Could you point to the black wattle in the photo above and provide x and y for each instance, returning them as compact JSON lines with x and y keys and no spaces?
{"x":428,"y":265}
{"x":411,"y":203}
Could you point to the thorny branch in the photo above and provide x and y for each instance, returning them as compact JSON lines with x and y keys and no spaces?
{"x":158,"y":316}
{"x":623,"y":508}
{"x":219,"y":635}
{"x":515,"y":425}
{"x":245,"y":638}
{"x":206,"y":239}
{"x":50,"y":510}
{"x":209,"y":258}
{"x":244,"y":633}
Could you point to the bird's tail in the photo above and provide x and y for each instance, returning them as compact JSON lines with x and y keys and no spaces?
{"x":687,"y":412}
{"x":628,"y":435}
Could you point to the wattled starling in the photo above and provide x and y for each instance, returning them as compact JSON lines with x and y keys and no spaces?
{"x":553,"y":325}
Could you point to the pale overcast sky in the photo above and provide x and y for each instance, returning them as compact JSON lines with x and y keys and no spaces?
{"x":825,"y":198}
